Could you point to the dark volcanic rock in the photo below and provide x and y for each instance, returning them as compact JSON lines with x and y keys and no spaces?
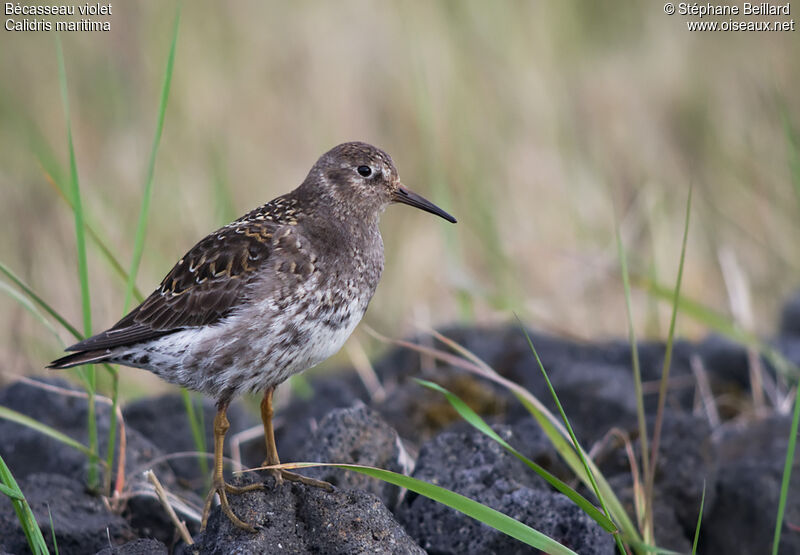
{"x":726,"y":362}
{"x":596,"y":397}
{"x":529,"y":439}
{"x":81,"y":521}
{"x":137,"y":547}
{"x":742,"y":467}
{"x":295,"y":518}
{"x":789,"y":347}
{"x":29,"y":452}
{"x":475,"y":466}
{"x":357,"y":435}
{"x":668,"y":531}
{"x":751,"y":462}
{"x":685,"y":462}
{"x":24,"y":449}
{"x":469,"y":457}
{"x":790,"y":316}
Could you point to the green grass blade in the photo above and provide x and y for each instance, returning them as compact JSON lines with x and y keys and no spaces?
{"x":83,"y":269}
{"x":75,"y":195}
{"x":14,"y":416}
{"x":301,"y":387}
{"x":479,"y":424}
{"x":9,"y":492}
{"x":52,"y":530}
{"x":662,"y":389}
{"x":787,"y":471}
{"x":646,"y":527}
{"x":112,"y":428}
{"x":704,"y":314}
{"x":141,"y":227}
{"x":576,"y":445}
{"x":39,"y":301}
{"x":469,"y":507}
{"x":27,"y":520}
{"x":30,"y":307}
{"x":198,"y":431}
{"x":699,"y":520}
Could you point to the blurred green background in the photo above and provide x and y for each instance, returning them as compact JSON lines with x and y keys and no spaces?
{"x":536,"y":124}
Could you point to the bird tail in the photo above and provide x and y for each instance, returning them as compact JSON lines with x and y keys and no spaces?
{"x":82,"y":357}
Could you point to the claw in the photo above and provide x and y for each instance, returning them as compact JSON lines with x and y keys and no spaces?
{"x":293,"y":477}
{"x":280,"y":475}
{"x":222,"y":489}
{"x":276,"y":473}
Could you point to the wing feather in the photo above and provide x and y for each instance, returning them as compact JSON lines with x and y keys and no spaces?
{"x":202,"y":288}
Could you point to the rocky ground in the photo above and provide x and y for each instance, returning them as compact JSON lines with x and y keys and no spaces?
{"x":740,"y":458}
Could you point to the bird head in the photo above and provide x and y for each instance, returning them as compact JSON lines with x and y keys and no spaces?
{"x":364,"y":178}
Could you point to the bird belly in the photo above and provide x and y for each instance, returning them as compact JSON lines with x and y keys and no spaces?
{"x":325,"y":341}
{"x":257,"y":349}
{"x":305,"y":340}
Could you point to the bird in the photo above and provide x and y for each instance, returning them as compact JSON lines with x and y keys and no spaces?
{"x":271,"y":294}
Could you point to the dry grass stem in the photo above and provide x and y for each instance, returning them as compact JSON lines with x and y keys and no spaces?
{"x":360,"y":360}
{"x":639,"y":497}
{"x":422,"y":315}
{"x":704,"y":389}
{"x":738,"y":288}
{"x":165,"y":502}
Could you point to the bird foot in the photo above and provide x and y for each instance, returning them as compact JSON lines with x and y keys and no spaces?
{"x":221,"y":488}
{"x":280,"y":475}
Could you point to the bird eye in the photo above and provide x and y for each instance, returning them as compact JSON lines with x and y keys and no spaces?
{"x":364,"y":171}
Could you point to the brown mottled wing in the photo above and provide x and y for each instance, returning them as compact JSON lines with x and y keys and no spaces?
{"x":202,"y":288}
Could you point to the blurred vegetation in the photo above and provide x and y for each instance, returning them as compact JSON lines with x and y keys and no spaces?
{"x":531,"y":122}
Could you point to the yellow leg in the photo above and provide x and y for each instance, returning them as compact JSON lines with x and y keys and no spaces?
{"x":272,"y":450}
{"x":219,"y":487}
{"x":269,"y":432}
